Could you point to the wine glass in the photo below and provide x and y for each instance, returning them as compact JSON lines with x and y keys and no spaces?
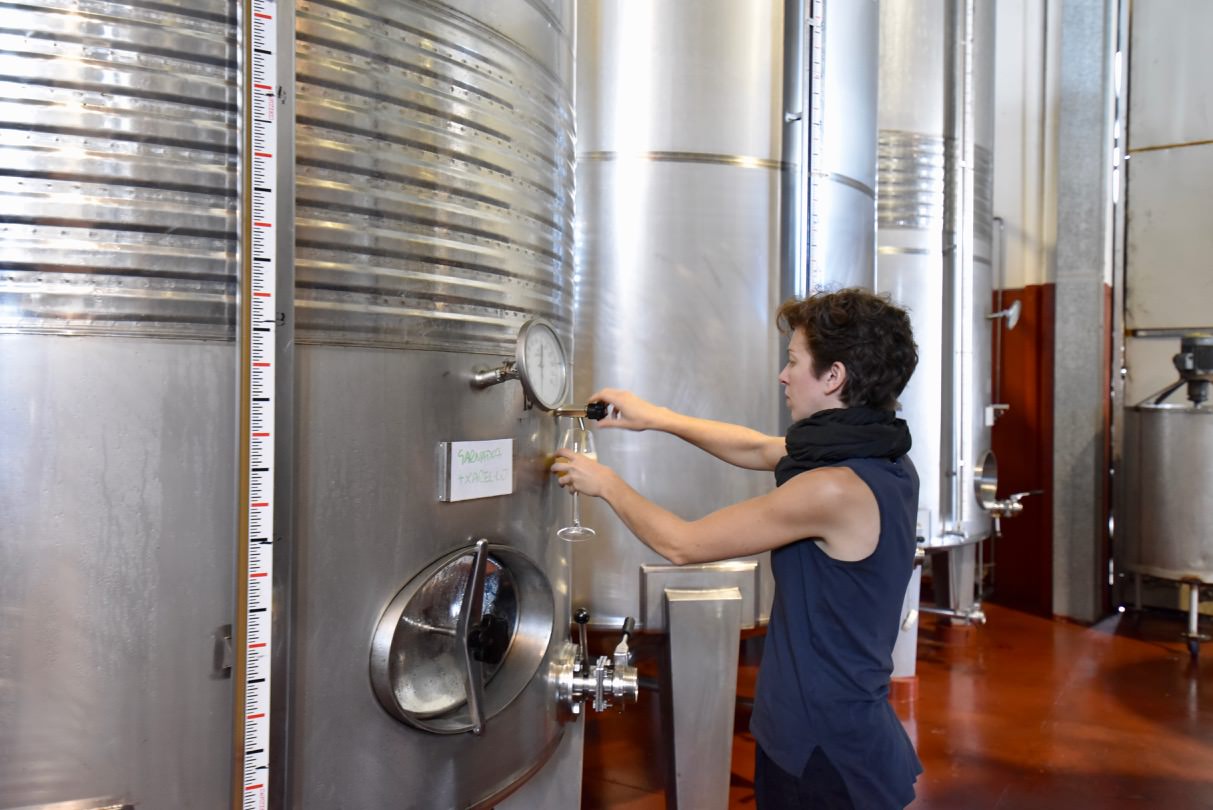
{"x":578,"y":439}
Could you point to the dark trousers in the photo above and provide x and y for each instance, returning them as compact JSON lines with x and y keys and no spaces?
{"x":819,"y":787}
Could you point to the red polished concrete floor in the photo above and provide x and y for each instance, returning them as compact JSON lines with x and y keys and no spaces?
{"x":1021,"y":713}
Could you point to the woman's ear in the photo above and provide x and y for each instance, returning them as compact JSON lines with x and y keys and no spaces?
{"x":836,"y":378}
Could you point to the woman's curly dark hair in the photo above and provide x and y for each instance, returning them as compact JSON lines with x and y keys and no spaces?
{"x":867,"y":333}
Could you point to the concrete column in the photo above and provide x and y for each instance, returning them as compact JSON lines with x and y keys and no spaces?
{"x":1084,"y":272}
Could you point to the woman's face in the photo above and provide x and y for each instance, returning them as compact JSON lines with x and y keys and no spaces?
{"x":805,"y":393}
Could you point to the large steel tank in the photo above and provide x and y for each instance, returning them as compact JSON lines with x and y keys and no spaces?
{"x":678,"y":174}
{"x":117,"y":402}
{"x":934,"y":234}
{"x":433,"y":167}
{"x":434,"y":176}
{"x":1167,"y":452}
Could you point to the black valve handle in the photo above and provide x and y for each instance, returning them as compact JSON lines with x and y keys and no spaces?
{"x":596,"y":410}
{"x":582,"y":616}
{"x":629,"y":624}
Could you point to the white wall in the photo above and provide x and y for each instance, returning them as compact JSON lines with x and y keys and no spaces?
{"x":1169,"y":219}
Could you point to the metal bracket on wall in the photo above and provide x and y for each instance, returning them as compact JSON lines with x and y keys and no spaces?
{"x":224,"y":655}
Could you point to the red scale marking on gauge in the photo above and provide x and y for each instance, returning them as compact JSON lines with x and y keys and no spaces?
{"x":261,"y":67}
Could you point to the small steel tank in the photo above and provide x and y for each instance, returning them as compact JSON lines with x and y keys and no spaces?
{"x":1168,"y":462}
{"x":1168,"y":454}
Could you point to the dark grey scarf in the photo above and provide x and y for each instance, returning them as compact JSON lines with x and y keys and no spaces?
{"x":838,"y":434}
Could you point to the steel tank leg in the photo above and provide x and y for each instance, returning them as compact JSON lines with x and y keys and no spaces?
{"x":704,"y":628}
{"x":962,"y":568}
{"x":1193,"y":635}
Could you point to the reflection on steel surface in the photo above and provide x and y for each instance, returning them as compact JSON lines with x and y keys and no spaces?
{"x":830,"y":64}
{"x":912,"y":169}
{"x":118,"y":148}
{"x":691,"y":233}
{"x":434,"y":179}
{"x":434,"y":216}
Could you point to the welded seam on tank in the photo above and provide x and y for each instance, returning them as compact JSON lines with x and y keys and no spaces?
{"x":1163,"y":146}
{"x":908,"y":251}
{"x":845,"y":180}
{"x":893,"y":250}
{"x":740,"y":161}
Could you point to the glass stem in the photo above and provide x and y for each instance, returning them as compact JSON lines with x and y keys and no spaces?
{"x":576,"y":511}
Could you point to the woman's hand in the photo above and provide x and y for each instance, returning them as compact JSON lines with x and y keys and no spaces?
{"x":579,"y":473}
{"x":630,"y":412}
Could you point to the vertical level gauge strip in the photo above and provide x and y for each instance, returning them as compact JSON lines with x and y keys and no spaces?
{"x":259,"y":82}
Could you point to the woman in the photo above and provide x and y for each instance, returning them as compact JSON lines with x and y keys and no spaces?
{"x":840,"y":528}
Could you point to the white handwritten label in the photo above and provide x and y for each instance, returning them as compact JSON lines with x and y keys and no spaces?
{"x":470,"y":470}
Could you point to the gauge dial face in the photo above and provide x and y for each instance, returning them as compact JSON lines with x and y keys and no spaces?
{"x":542,"y":364}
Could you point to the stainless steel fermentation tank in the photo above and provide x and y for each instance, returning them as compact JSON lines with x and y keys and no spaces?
{"x":934,"y":256}
{"x":678,"y":184}
{"x":434,"y":211}
{"x":678,"y":179}
{"x":433,"y":216}
{"x":706,"y":166}
{"x":695,"y":139}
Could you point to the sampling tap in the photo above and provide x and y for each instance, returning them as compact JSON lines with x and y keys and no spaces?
{"x":608,"y":676}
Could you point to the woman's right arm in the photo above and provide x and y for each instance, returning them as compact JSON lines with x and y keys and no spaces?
{"x":739,"y":446}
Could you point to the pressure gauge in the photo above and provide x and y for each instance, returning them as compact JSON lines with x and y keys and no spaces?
{"x":539,"y":363}
{"x":542,"y":364}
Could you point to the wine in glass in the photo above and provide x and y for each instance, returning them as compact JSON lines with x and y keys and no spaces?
{"x":578,"y":439}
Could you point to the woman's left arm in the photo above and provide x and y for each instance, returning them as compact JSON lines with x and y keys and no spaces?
{"x":813,"y":504}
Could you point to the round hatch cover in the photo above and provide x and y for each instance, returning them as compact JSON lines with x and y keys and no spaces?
{"x":423,"y":661}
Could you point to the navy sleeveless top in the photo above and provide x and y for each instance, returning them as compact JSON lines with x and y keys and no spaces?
{"x":828,"y":654}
